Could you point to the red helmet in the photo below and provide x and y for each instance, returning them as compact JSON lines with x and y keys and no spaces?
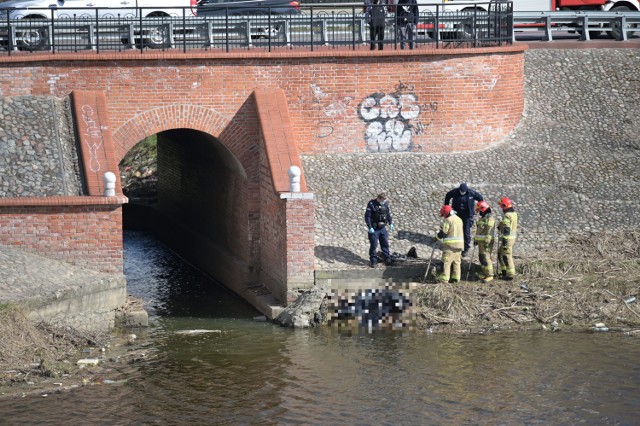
{"x":482,"y":206}
{"x":505,"y":203}
{"x":445,"y":210}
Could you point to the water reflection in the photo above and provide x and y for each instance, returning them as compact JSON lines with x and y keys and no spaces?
{"x":256,"y":373}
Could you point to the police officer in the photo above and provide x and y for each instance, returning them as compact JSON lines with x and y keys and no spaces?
{"x":407,"y":14}
{"x":464,"y":200}
{"x":451,"y":235}
{"x":377,"y":217}
{"x":508,"y":228}
{"x":484,"y":240}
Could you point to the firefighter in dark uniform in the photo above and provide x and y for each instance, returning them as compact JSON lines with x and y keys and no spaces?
{"x":377,"y":217}
{"x":463,"y":200}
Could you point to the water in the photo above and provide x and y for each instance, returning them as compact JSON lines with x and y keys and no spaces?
{"x":255,"y":373}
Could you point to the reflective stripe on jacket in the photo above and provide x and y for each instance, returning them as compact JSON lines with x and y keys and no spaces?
{"x":484,"y":228}
{"x":452,"y":226}
{"x":509,"y":224}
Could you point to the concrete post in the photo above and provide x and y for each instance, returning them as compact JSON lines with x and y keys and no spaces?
{"x":294,"y":179}
{"x":109,"y":180}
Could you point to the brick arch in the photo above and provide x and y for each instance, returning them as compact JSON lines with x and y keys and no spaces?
{"x":193,"y":117}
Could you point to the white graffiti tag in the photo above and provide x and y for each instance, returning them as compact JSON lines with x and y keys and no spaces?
{"x":388,"y":117}
{"x":94,"y":137}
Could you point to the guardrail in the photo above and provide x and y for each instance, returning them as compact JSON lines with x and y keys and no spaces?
{"x":109,"y":29}
{"x":620,"y":25}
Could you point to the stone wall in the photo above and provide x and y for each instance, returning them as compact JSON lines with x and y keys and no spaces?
{"x":38,"y":154}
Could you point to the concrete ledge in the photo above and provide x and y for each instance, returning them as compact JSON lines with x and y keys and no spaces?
{"x":88,"y":308}
{"x":404,"y":272}
{"x":59,"y":293}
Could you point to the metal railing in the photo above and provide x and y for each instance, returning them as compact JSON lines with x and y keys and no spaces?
{"x":312,"y":27}
{"x":589,"y":24}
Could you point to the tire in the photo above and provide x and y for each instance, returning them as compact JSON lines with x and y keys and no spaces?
{"x":157,"y":37}
{"x":32,"y":39}
{"x":616,"y":32}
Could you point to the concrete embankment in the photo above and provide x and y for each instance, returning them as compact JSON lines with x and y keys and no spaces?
{"x":59,"y":293}
{"x":571,"y":166}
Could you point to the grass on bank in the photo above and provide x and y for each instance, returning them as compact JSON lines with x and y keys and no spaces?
{"x":586,"y":281}
{"x":29,"y":350}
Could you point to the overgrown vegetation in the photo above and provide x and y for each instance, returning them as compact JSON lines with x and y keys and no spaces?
{"x":29,"y":351}
{"x":588,"y":280}
{"x":138,"y":170}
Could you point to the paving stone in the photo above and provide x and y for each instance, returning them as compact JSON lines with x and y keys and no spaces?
{"x":571,"y":166}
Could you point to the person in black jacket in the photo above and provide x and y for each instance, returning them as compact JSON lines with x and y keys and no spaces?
{"x":406,"y":20}
{"x":463,"y":200}
{"x":376,"y":13}
{"x":377,"y":217}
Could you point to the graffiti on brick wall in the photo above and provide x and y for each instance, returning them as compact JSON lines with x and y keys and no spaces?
{"x":332,"y":109}
{"x":393,"y":119}
{"x":93,"y":133}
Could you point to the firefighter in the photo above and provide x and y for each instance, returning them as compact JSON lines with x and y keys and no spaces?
{"x":377,"y":217}
{"x":451,"y":234}
{"x":508,"y":228}
{"x":484,"y":240}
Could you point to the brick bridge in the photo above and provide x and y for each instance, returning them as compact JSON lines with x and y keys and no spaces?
{"x":229,"y":126}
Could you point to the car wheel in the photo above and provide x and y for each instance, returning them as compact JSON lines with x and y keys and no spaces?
{"x":616,"y":31}
{"x":158,"y":37}
{"x":35,"y":38}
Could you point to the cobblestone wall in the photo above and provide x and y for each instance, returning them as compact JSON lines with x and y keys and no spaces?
{"x":571,"y":165}
{"x":38,"y":154}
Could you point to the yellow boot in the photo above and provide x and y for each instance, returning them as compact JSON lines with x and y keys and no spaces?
{"x":487,"y":279}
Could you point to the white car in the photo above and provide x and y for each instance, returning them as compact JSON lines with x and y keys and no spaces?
{"x":35,"y":36}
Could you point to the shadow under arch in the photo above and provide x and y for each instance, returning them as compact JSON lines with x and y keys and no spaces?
{"x":233,"y":136}
{"x":207,"y":208}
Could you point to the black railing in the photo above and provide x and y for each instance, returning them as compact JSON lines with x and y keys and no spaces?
{"x":309,"y":27}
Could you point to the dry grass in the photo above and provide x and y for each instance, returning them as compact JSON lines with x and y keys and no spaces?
{"x":586,"y":281}
{"x":28,"y":350}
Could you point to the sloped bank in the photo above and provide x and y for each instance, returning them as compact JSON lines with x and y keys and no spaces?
{"x":586,"y":284}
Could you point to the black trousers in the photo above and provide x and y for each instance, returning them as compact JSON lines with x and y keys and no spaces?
{"x":376,"y":32}
{"x":467,"y":223}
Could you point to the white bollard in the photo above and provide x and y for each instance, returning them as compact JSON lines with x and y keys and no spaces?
{"x":109,"y":180}
{"x":294,"y":179}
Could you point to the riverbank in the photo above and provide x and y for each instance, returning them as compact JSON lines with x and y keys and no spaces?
{"x":40,"y":358}
{"x":584,"y":285}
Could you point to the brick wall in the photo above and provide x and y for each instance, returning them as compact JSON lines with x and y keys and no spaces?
{"x":327,"y":102}
{"x":85,"y":235}
{"x":430,"y":101}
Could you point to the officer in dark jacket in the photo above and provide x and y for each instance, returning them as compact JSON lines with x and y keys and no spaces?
{"x":378,"y":216}
{"x":376,"y":12}
{"x":463,"y":200}
{"x":406,"y":20}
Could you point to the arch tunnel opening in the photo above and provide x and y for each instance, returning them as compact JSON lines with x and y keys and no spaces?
{"x":188,"y":190}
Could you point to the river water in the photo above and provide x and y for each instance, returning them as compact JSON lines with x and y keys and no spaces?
{"x":249,"y":372}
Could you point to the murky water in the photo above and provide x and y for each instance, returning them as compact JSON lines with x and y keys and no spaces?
{"x":256,"y":373}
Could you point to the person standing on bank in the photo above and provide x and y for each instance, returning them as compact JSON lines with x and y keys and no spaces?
{"x":377,"y":217}
{"x":464,"y":201}
{"x":508,"y":228}
{"x":484,"y":240}
{"x":376,"y":14}
{"x":406,"y":20}
{"x":452,"y":240}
